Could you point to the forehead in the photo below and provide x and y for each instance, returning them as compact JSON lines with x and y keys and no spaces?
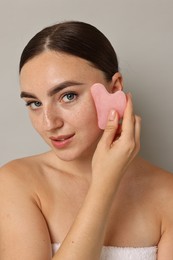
{"x":50,"y":68}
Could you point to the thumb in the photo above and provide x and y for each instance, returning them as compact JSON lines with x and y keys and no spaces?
{"x":111,"y":128}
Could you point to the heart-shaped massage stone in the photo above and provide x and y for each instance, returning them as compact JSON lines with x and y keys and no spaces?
{"x":105,"y":101}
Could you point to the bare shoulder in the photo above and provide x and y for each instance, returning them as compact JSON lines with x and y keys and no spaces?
{"x":13,"y":174}
{"x":152,"y":175}
{"x":159,"y":190}
{"x":20,"y":215}
{"x":21,"y":176}
{"x":161,"y":194}
{"x":22,"y":168}
{"x":153,"y":185}
{"x":161,"y":181}
{"x":157,"y":181}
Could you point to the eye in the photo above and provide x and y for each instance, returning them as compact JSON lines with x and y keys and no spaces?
{"x":69,"y":97}
{"x":33,"y":104}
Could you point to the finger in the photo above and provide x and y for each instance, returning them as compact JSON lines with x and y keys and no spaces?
{"x":129,"y":107}
{"x":128,"y":119}
{"x":136,"y":137}
{"x":111,"y":129}
{"x":137,"y":133}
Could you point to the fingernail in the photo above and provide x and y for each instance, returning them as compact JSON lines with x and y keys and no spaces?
{"x":112,"y":115}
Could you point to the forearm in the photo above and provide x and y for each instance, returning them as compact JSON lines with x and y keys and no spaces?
{"x":110,"y":161}
{"x":85,"y":239}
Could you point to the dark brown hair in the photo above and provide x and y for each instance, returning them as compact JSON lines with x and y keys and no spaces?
{"x":75,"y":38}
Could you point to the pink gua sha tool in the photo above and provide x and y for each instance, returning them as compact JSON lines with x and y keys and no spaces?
{"x":105,"y":101}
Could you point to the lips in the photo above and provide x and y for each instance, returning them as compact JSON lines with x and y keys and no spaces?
{"x":61,"y":140}
{"x":61,"y":137}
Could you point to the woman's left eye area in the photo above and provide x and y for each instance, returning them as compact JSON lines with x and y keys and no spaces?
{"x":69,"y":97}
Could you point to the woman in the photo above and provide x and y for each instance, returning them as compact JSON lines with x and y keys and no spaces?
{"x":90,"y":196}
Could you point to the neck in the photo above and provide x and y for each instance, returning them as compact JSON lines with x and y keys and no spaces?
{"x":81,"y":167}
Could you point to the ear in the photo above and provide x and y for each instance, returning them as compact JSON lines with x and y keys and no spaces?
{"x":117,"y":82}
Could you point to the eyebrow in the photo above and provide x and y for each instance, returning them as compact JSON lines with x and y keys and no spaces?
{"x":53,"y":90}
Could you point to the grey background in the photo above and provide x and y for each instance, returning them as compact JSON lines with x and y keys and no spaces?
{"x":142,"y":34}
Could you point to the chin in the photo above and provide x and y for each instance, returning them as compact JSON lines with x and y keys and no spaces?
{"x":74,"y":155}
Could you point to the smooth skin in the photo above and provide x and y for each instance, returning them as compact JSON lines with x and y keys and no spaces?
{"x":93,"y":191}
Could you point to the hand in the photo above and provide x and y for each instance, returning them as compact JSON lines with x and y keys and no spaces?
{"x":113,"y":155}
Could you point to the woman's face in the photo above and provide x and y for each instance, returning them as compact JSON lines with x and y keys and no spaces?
{"x":56,"y":89}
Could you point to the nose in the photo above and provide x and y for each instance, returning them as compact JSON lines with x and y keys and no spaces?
{"x":52,"y":119}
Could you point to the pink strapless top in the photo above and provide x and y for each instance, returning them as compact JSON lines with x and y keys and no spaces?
{"x":123,"y":253}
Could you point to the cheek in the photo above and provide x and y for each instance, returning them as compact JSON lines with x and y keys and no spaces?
{"x":35,"y":123}
{"x":85,"y":114}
